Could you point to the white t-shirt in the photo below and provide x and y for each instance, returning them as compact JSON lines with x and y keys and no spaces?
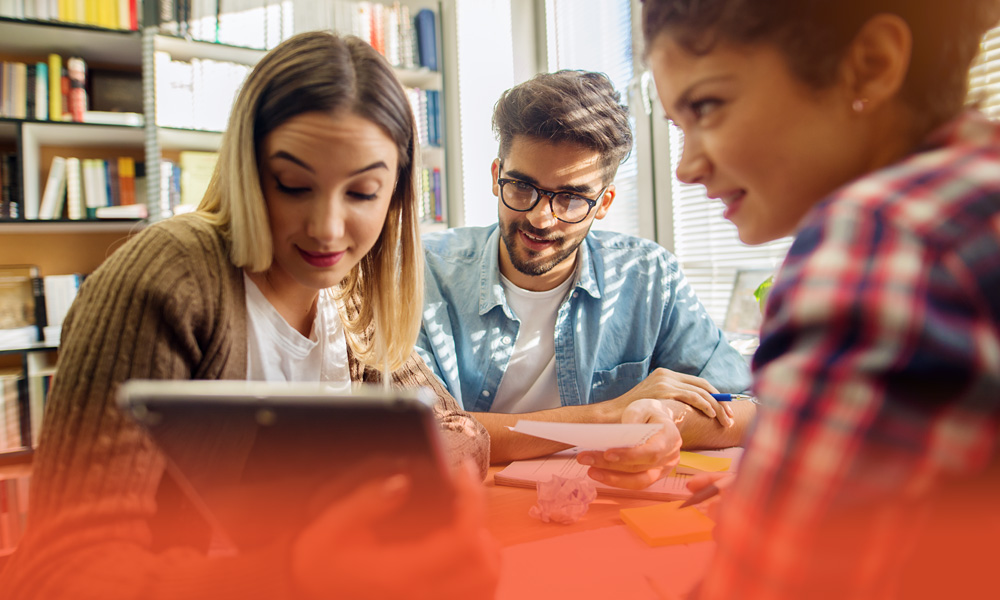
{"x":276,"y":351}
{"x":529,"y":383}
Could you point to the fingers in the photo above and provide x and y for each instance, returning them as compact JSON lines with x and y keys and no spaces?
{"x":705,"y":479}
{"x":692,"y":380}
{"x":631,"y":481}
{"x":638,"y":467}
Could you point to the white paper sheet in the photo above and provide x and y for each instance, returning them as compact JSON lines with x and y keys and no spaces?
{"x":590,"y":436}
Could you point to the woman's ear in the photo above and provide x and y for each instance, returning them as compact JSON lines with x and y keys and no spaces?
{"x":877,"y":60}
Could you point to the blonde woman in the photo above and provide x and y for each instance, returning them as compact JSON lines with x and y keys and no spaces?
{"x":293,"y":269}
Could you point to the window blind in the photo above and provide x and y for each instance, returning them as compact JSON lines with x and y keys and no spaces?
{"x":984,"y":79}
{"x":596,"y":35}
{"x":707,"y":246}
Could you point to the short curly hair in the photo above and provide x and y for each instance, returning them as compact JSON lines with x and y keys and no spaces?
{"x":813,"y":35}
{"x":580,"y":107}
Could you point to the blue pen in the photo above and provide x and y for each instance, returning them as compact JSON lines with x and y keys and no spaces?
{"x":734,"y":397}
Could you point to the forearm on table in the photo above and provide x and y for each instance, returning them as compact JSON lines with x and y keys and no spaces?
{"x":698,"y":431}
{"x":505,"y":445}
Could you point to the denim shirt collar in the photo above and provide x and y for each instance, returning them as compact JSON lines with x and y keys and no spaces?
{"x":491,"y":291}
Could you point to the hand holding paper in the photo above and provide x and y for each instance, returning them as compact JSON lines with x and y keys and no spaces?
{"x":639,"y":466}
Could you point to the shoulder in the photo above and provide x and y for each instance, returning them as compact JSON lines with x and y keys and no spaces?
{"x":184,"y":234}
{"x":181,"y":253}
{"x":937,"y":198}
{"x":628,"y":252}
{"x":457,"y":243}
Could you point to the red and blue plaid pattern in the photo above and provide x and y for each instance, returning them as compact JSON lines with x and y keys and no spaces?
{"x":879,"y":378}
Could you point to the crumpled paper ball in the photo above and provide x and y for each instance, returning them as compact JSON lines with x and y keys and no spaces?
{"x":563,"y":500}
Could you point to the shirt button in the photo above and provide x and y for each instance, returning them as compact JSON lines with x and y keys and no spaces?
{"x":576,"y":294}
{"x":486,"y":393}
{"x":506,"y":339}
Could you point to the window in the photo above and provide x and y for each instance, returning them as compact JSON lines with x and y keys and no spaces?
{"x":485,"y":70}
{"x":596,"y":35}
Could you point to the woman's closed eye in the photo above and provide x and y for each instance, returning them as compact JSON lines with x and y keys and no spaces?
{"x":292,"y":190}
{"x":363,"y":196}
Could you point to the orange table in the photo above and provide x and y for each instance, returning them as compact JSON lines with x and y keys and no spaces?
{"x":596,"y":557}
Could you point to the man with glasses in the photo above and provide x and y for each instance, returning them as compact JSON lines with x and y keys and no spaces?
{"x":540,"y":315}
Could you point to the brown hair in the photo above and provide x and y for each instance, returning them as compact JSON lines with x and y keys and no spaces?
{"x":580,"y":107}
{"x":319,"y":71}
{"x":813,"y":35}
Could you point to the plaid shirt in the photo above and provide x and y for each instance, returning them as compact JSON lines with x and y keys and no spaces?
{"x":879,"y":375}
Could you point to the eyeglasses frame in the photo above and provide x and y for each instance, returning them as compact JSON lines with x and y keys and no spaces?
{"x":591,"y":202}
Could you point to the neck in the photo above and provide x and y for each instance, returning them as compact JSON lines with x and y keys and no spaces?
{"x":296,"y":304}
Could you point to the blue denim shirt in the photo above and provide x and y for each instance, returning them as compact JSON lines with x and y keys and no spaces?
{"x":629,"y":312}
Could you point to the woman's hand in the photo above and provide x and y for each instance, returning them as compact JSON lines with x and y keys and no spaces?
{"x":720,"y":480}
{"x":638,"y":467}
{"x":339,"y":555}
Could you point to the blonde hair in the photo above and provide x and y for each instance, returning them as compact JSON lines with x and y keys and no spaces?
{"x":319,"y":71}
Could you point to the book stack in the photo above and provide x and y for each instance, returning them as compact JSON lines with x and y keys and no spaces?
{"x":93,"y":188}
{"x":60,"y":291}
{"x":10,"y":187}
{"x":183,"y":183}
{"x":426,"y":105}
{"x":111,"y":14}
{"x":431,"y":206}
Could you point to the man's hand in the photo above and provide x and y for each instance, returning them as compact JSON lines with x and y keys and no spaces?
{"x":639,"y":467}
{"x":664,"y":384}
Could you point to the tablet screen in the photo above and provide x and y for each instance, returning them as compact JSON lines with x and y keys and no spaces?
{"x":261,"y":460}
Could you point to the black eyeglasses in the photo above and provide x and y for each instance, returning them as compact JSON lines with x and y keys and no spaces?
{"x":567,"y":207}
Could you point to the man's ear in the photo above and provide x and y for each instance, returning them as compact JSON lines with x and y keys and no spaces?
{"x":877,"y":60}
{"x":605,"y":202}
{"x":495,"y":169}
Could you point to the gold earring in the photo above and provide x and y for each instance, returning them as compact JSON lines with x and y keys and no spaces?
{"x":859,"y":104}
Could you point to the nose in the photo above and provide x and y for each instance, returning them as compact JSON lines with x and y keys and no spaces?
{"x":326,"y":218}
{"x":694,"y":165}
{"x":541,"y":215}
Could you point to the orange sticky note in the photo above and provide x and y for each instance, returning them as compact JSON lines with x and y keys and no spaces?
{"x":710,"y":464}
{"x":666,"y":524}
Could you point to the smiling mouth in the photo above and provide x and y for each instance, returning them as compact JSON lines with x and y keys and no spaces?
{"x":733,"y":203}
{"x":535,"y":242}
{"x":321,"y":259}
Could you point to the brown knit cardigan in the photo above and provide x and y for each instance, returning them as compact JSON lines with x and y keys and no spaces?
{"x":168,"y":305}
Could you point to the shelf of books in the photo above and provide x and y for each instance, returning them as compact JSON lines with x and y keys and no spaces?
{"x":199,"y":55}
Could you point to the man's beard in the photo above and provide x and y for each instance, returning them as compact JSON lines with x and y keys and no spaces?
{"x":524,"y":264}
